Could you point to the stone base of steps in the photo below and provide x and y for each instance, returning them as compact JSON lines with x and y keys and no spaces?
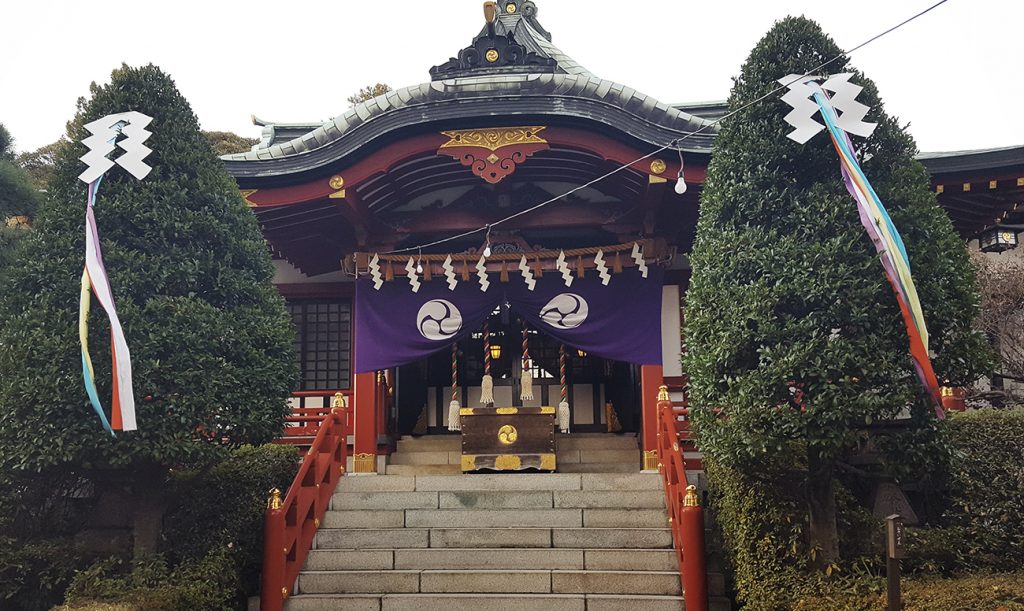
{"x":502,"y":482}
{"x":413,"y":538}
{"x":491,"y":602}
{"x":563,"y":457}
{"x":492,"y":499}
{"x":515,"y":581}
{"x":492,"y":558}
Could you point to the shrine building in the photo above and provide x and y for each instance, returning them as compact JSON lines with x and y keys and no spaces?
{"x":420,"y":269}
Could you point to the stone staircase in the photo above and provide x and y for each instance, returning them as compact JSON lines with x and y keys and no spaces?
{"x":528,"y":542}
{"x":577,"y":453}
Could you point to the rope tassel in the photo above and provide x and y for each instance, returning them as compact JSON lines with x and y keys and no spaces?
{"x":454,"y":422}
{"x":487,"y":384}
{"x":527,"y":380}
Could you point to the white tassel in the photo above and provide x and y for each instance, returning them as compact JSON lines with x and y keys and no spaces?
{"x":563,"y":417}
{"x":453,"y":417}
{"x":527,"y":383}
{"x":487,"y":390}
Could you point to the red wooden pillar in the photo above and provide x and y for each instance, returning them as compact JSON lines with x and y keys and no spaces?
{"x":650,"y":380}
{"x":364,"y":423}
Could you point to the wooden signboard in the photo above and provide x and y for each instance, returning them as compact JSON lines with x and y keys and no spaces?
{"x":508,"y":438}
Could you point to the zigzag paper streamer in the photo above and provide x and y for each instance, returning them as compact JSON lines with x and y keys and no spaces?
{"x":602,"y":269}
{"x":378,"y":278}
{"x":101,"y":145}
{"x":449,"y":273}
{"x":845,"y":99}
{"x":414,"y":280}
{"x":524,"y":268}
{"x":638,"y":257}
{"x":481,"y":272}
{"x":876,"y":221}
{"x":563,"y":267}
{"x":802,"y":88}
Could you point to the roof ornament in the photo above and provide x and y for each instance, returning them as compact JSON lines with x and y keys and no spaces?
{"x":496,"y":52}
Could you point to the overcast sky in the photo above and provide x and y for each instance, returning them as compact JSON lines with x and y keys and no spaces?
{"x":955,"y":74}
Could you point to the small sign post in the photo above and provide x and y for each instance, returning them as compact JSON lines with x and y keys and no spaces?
{"x":895,"y":549}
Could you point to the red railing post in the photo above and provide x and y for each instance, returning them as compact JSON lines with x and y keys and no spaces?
{"x":273,"y":591}
{"x":695,"y":572}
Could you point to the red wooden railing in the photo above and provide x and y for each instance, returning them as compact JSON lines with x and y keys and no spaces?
{"x":289,"y":525}
{"x":686,"y":518}
{"x":303,"y":423}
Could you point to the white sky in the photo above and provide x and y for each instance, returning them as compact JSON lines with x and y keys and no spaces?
{"x":955,"y":74}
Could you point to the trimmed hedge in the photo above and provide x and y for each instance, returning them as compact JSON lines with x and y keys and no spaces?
{"x":212,"y":541}
{"x":986,"y":491}
{"x":1003,"y":592}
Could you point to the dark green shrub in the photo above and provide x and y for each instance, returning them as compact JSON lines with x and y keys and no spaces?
{"x":222,"y":507}
{"x":151,"y":584}
{"x":997,"y":592}
{"x":33,"y":575}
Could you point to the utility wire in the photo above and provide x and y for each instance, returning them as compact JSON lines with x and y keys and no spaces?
{"x":675,"y":143}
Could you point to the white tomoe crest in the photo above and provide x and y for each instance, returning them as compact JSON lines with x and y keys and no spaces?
{"x":844,"y":100}
{"x":103,"y":142}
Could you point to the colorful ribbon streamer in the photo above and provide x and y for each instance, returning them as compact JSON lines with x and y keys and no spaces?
{"x":94,"y":280}
{"x":889,"y":245}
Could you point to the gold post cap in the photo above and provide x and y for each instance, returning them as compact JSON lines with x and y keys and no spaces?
{"x":274,"y":502}
{"x":691,"y":499}
{"x":663,"y":393}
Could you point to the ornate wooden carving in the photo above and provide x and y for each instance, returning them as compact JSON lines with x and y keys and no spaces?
{"x":493,"y":153}
{"x":492,"y":52}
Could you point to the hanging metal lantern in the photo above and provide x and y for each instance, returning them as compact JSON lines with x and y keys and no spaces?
{"x":495,"y":351}
{"x":998,"y":239}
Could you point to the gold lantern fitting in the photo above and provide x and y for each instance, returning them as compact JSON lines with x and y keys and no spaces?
{"x":998,"y":239}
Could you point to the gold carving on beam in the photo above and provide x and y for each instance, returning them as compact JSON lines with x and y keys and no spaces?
{"x":655,"y":180}
{"x":510,"y":8}
{"x":939,"y":189}
{"x":246,"y":194}
{"x":494,"y":138}
{"x":337,"y":183}
{"x":547,"y":462}
{"x":508,"y":434}
{"x":466,"y":411}
{"x":468,"y":462}
{"x":547,"y":410}
{"x":364,"y":463}
{"x":967,"y":187}
{"x":1020,"y":182}
{"x":650,"y":460}
{"x":508,"y":462}
{"x":658,"y":166}
{"x":992,"y":184}
{"x":491,"y":55}
{"x":506,"y":410}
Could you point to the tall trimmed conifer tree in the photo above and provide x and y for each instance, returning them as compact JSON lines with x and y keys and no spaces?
{"x":209,"y":335}
{"x":788,"y":294}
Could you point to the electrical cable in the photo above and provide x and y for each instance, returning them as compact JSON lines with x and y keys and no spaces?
{"x":674,"y":144}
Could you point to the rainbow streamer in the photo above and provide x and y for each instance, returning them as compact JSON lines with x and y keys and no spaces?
{"x":889,"y":246}
{"x":94,"y":280}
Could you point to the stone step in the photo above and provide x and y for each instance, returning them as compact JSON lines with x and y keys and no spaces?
{"x":430,"y":443}
{"x":565,"y":457}
{"x":423,"y":470}
{"x":430,"y":602}
{"x":574,"y":538}
{"x":519,"y":581}
{"x":491,"y":558}
{"x":600,"y":442}
{"x":425,"y":458}
{"x":453,"y":481}
{"x":363,"y":519}
{"x":493,"y":518}
{"x":610,"y":499}
{"x":513,"y":499}
{"x":383,"y":500}
{"x":601,"y":467}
